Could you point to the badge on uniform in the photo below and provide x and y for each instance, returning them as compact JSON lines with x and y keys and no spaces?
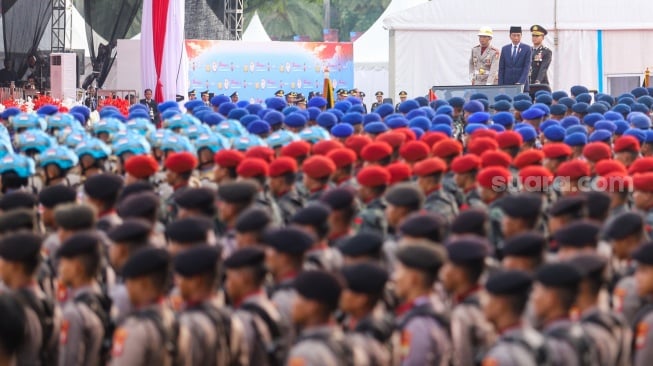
{"x":119,"y":338}
{"x":405,"y":344}
{"x":488,"y":361}
{"x":618,"y":296}
{"x":640,"y":336}
{"x":296,"y":361}
{"x":63,"y":332}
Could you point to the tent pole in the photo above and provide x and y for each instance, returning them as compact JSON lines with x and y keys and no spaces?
{"x":391,"y":65}
{"x":555,"y":42}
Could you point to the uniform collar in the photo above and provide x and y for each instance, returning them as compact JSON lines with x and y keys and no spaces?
{"x":408,"y":306}
{"x":471,"y":292}
{"x":249,"y":297}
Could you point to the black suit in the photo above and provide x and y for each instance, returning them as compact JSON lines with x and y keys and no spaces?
{"x":154,"y":110}
{"x":515,"y":70}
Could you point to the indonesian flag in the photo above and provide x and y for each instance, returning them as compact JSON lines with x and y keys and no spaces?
{"x":432,"y":95}
{"x":163,"y":54}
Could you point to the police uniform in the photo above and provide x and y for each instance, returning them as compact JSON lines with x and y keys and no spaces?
{"x":319,"y":256}
{"x":265,"y":201}
{"x":235,"y":192}
{"x":643,"y":319}
{"x":401,"y":94}
{"x":541,"y":59}
{"x":289,"y":203}
{"x":372,"y":217}
{"x":484,"y":63}
{"x":449,"y":184}
{"x":375,"y":105}
{"x":104,"y":188}
{"x":441,"y":202}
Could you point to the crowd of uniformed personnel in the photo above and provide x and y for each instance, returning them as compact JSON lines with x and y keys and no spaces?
{"x":465,"y":232}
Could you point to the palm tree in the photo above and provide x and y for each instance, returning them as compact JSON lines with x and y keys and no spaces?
{"x":284,"y":19}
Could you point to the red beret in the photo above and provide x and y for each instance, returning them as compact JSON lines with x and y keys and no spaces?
{"x":228,"y":158}
{"x":182,"y":162}
{"x":447,"y":148}
{"x":318,"y":167}
{"x":431,"y":137}
{"x":283,"y":165}
{"x":342,"y":157}
{"x":626,"y":143}
{"x":410,"y":134}
{"x":399,"y":172}
{"x":480,"y":145}
{"x":535,"y":177}
{"x":253,"y":167}
{"x":482,"y":132}
{"x":596,"y":151}
{"x":373,"y":176}
{"x":261,"y":152}
{"x":643,"y":182}
{"x":607,"y":166}
{"x":376,"y":151}
{"x":429,"y":166}
{"x":394,"y":139}
{"x":357,"y":143}
{"x":414,"y":151}
{"x":615,"y":182}
{"x":495,"y":158}
{"x":323,"y":147}
{"x":296,"y":149}
{"x":508,"y":139}
{"x":574,"y":169}
{"x":528,"y":157}
{"x":465,"y":163}
{"x":141,"y":166}
{"x":555,"y":150}
{"x":495,"y":177}
{"x":641,"y":165}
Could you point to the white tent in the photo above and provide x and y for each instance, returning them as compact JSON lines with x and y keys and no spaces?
{"x":591,"y":40}
{"x":371,"y":51}
{"x":255,"y":31}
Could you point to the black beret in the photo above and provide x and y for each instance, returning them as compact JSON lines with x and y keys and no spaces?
{"x":530,"y":244}
{"x":143,"y":205}
{"x":361,"y":244}
{"x":644,"y":254}
{"x":57,"y":194}
{"x":589,"y":265}
{"x":238,"y":192}
{"x":134,"y":188}
{"x":319,"y":286}
{"x":467,"y":249}
{"x":509,"y":282}
{"x":146,"y":261}
{"x":17,"y":219}
{"x":17,"y":199}
{"x":598,"y":205}
{"x":523,"y":205}
{"x":578,"y":234}
{"x":20,"y":247}
{"x":558,"y":275}
{"x":289,"y":240}
{"x":245,"y":257}
{"x":189,"y":230}
{"x":424,"y":226}
{"x":365,"y":278}
{"x":197,"y":260}
{"x":79,"y":244}
{"x":625,"y":224}
{"x":569,"y":205}
{"x":132,"y":230}
{"x":196,"y":198}
{"x":103,"y":187}
{"x":71,"y":216}
{"x":313,"y":214}
{"x":472,"y":221}
{"x":338,"y":198}
{"x":405,"y":195}
{"x":421,"y":257}
{"x":252,"y":219}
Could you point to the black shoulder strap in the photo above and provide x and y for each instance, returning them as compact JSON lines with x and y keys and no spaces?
{"x":540,"y":352}
{"x":273,"y":327}
{"x":169,"y":335}
{"x":577,"y":337}
{"x":338,"y":345}
{"x":220,"y":320}
{"x":428,"y":311}
{"x":100,"y":305}
{"x":380,"y":328}
{"x":44,"y":309}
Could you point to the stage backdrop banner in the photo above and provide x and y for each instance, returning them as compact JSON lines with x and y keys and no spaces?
{"x":256,"y":70}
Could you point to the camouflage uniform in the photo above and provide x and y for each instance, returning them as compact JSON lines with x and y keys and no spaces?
{"x":495,"y":214}
{"x":442,"y":203}
{"x":372,"y":217}
{"x":265,"y":201}
{"x":472,"y":199}
{"x":289,"y":203}
{"x":449,"y":185}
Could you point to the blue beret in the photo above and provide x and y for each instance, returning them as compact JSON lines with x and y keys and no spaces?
{"x":275,"y":103}
{"x":430,"y":112}
{"x":353,"y":118}
{"x":421,"y":122}
{"x":578,"y":90}
{"x":478,"y":96}
{"x":502,"y":106}
{"x":504,"y":97}
{"x":395,"y":123}
{"x":212,"y":118}
{"x":591,"y":118}
{"x":639,"y":91}
{"x":559,"y":94}
{"x":254,"y":108}
{"x":626,"y":100}
{"x":79,"y":109}
{"x":649,"y":137}
{"x":545,"y":108}
{"x":337,"y":112}
{"x":408,"y":106}
{"x":327,"y":120}
{"x":623,"y":109}
{"x":423,"y":102}
{"x":569,"y":121}
{"x":438,"y":103}
{"x":597,"y":108}
{"x":317,"y":102}
{"x":504,"y":119}
{"x":567,"y":102}
{"x":532,"y":113}
{"x":647,"y":100}
{"x":541,"y":92}
{"x":495,"y":127}
{"x":639,"y":107}
{"x":415,"y":113}
{"x":375,"y":128}
{"x":548,"y":123}
{"x":384,"y":110}
{"x":237,"y":113}
{"x":544,"y":98}
{"x":650,"y":91}
{"x":295,"y":120}
{"x":78,"y":116}
{"x":521,"y":125}
{"x":143,"y":107}
{"x":313,"y":113}
{"x":575,"y":129}
{"x":485,"y":103}
{"x":246,"y":120}
{"x":342,"y":130}
{"x":442,"y":119}
{"x":527,"y":133}
{"x":343,"y":106}
{"x":600,"y":135}
{"x":138,"y":113}
{"x":290,"y":109}
{"x":522,"y":105}
{"x":446,"y":129}
{"x":167,"y":105}
{"x":605,"y":125}
{"x":636,"y":133}
{"x":107,"y":110}
{"x":584,"y":98}
{"x":358,"y":108}
{"x":522,"y":96}
{"x":165,"y":115}
{"x":418,"y":132}
{"x":225,"y":108}
{"x":190,"y":105}
{"x":626,"y":95}
{"x":353,"y":100}
{"x":640,"y":120}
{"x":554,"y":133}
{"x":479,"y":117}
{"x":612,"y":116}
{"x":580,"y":107}
{"x":605,"y":98}
{"x":445,"y":109}
{"x":274,"y":117}
{"x":622,"y":126}
{"x":242,"y":103}
{"x":456,"y":102}
{"x":558,"y":109}
{"x":219,"y":99}
{"x":471,"y":127}
{"x":473,"y":106}
{"x":371,"y":117}
{"x":258,"y":127}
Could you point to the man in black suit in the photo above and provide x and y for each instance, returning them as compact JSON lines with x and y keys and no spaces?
{"x":515,"y":61}
{"x":151,"y":105}
{"x":7,"y":75}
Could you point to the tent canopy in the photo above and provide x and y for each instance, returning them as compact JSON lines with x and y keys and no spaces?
{"x":255,"y":31}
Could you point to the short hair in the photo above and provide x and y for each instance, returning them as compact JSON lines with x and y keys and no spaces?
{"x":567,"y":296}
{"x":11,"y":180}
{"x":474,"y":269}
{"x":517,"y":302}
{"x":147,"y":90}
{"x":290,"y":178}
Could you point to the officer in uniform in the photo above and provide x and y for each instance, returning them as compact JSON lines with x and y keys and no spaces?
{"x":363,"y":247}
{"x":150,"y":335}
{"x":205,"y":98}
{"x":258,"y":170}
{"x":317,"y":170}
{"x":429,"y":175}
{"x":279,"y":93}
{"x":643,"y":198}
{"x":379,"y":100}
{"x":314,"y":219}
{"x":465,"y":169}
{"x":283,"y":172}
{"x":179,"y":167}
{"x":402,"y":200}
{"x":101,"y":191}
{"x":541,"y":57}
{"x":373,"y":181}
{"x":524,"y":252}
{"x":402,"y":98}
{"x":87,"y":311}
{"x":234,"y":97}
{"x":233,"y":199}
{"x":484,"y":61}
{"x":217,"y":336}
{"x":643,"y":321}
{"x":196,"y":202}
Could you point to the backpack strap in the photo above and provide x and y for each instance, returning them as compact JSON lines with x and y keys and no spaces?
{"x":221,"y":322}
{"x":337,"y":344}
{"x":576,"y":336}
{"x":538,"y":351}
{"x":427,"y":310}
{"x":169,"y":334}
{"x":100,"y":305}
{"x":44,"y":309}
{"x":276,"y":349}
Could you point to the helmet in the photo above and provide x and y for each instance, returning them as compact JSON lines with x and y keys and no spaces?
{"x":176,"y":143}
{"x":195,"y":131}
{"x":485,"y":31}
{"x":314,"y":134}
{"x":108,"y":125}
{"x":281,"y":138}
{"x":94,"y":147}
{"x":157,"y":137}
{"x":212,"y":141}
{"x":245,"y":142}
{"x":21,"y":164}
{"x":33,"y":139}
{"x":133,"y":143}
{"x":60,"y":121}
{"x":5,"y":146}
{"x":29,"y":121}
{"x":181,"y":121}
{"x":142,"y":125}
{"x":4,"y":133}
{"x":61,"y":156}
{"x":230,"y":128}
